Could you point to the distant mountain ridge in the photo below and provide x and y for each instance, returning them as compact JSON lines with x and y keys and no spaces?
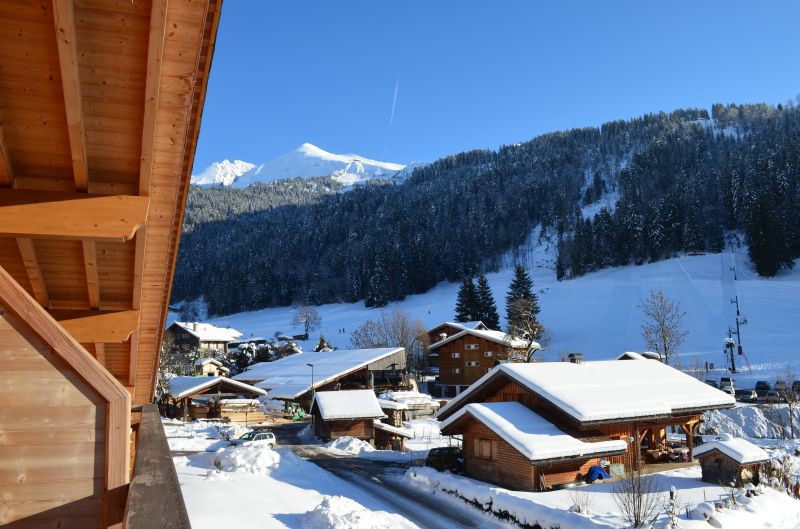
{"x":306,"y":161}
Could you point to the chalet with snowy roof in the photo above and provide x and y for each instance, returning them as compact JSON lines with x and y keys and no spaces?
{"x":201,"y":397}
{"x":530,"y":426}
{"x":449,"y":328}
{"x":187,"y":336}
{"x":346,"y":413}
{"x":209,"y":367}
{"x":731,"y":460}
{"x":292,"y":378}
{"x":470,"y":353}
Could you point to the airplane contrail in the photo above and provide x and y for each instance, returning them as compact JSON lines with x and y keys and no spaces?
{"x":391,"y":116}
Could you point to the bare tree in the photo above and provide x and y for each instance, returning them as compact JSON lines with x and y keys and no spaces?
{"x":637,"y":496}
{"x":308,"y":317}
{"x":394,"y":328}
{"x":662,"y":328}
{"x":526,"y":326}
{"x":168,"y":366}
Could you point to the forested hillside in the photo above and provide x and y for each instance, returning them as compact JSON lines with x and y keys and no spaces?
{"x":672,"y":183}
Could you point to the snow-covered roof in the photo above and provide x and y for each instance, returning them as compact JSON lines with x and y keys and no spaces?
{"x":460,"y":325}
{"x":531,"y":434}
{"x":647,"y":355}
{"x":348,"y":404}
{"x":404,"y":432}
{"x":204,"y":361}
{"x":740,"y":450}
{"x":205,"y":332}
{"x":606,"y":390}
{"x":402,"y":400}
{"x":183,"y":386}
{"x":493,"y":336}
{"x":290,"y":376}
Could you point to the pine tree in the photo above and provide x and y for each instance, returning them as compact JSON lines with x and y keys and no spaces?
{"x":467,"y":302}
{"x":488,"y":310}
{"x":522,"y":307}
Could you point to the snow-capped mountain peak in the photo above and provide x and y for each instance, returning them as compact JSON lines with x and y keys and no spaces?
{"x":224,"y":172}
{"x":306,"y":161}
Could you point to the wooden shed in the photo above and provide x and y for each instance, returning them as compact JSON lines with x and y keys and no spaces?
{"x":345,"y":413}
{"x":100,"y":107}
{"x":204,"y":397}
{"x":731,"y":460}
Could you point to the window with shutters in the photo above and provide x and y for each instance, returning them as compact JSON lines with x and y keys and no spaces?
{"x":488,"y":354}
{"x":473,"y":363}
{"x":472,"y":347}
{"x":455,"y":355}
{"x":456,"y":370}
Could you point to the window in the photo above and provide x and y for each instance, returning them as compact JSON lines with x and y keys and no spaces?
{"x":473,"y":363}
{"x":456,"y":370}
{"x":488,"y":354}
{"x":472,"y":347}
{"x":482,"y":448}
{"x":455,"y":355}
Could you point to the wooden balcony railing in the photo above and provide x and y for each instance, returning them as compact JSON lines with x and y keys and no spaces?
{"x":154,"y":498}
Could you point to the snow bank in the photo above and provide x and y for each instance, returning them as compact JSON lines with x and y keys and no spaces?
{"x":351,"y":445}
{"x":499,"y":501}
{"x":752,"y":421}
{"x":254,"y":458}
{"x":338,"y":512}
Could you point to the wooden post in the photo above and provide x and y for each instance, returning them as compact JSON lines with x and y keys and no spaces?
{"x":185,"y":409}
{"x":637,"y":446}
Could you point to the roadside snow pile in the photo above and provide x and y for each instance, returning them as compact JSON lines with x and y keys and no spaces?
{"x":751,"y":421}
{"x":351,"y":445}
{"x":255,"y":458}
{"x":338,"y":512}
{"x":199,"y":436}
{"x":500,"y":502}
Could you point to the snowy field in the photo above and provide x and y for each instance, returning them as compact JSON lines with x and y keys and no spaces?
{"x":597,"y":314}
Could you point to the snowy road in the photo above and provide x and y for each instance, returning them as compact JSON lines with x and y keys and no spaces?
{"x":382,"y":481}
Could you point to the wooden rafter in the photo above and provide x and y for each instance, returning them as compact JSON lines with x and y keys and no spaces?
{"x":92,"y":279}
{"x":102,"y":327}
{"x":71,"y":216}
{"x":6,"y":171}
{"x":75,"y":305}
{"x":28,"y":251}
{"x":64,"y":15}
{"x":155,"y":55}
{"x":100,"y":352}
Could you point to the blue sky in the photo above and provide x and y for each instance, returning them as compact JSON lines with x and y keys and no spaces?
{"x":476,"y":74}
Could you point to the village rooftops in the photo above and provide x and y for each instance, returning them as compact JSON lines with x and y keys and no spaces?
{"x":205,"y":332}
{"x":184,"y":386}
{"x":493,"y":336}
{"x":475,"y":325}
{"x":604,"y":391}
{"x":403,"y":400}
{"x":290,"y":377}
{"x":348,"y":404}
{"x":204,"y":361}
{"x":740,"y":450}
{"x":532,"y":435}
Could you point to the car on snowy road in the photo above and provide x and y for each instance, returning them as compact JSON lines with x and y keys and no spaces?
{"x":746,"y":395}
{"x":267,"y":438}
{"x":446,"y":458}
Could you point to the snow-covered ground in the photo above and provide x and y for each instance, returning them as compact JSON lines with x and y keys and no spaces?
{"x":598,"y":314}
{"x":552,"y":509}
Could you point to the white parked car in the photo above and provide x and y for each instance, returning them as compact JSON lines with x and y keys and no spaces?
{"x":256,"y":437}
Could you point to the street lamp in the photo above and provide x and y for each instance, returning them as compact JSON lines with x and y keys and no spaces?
{"x":313,"y":393}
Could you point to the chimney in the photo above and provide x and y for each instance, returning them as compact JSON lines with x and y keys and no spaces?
{"x":194,"y":326}
{"x":575,"y":358}
{"x":442,"y":336}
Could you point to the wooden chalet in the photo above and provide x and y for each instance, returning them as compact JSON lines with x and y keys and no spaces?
{"x":203,"y":397}
{"x":209,"y":367}
{"x":470,"y":353}
{"x":345,"y":413}
{"x":731,"y":460}
{"x":530,"y":426}
{"x":449,"y":328}
{"x":187,"y":336}
{"x":294,"y":378}
{"x":100,"y":107}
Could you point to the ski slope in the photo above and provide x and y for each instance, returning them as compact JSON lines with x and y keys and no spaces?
{"x":598,"y":314}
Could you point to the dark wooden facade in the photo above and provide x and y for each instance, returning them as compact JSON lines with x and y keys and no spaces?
{"x":358,"y":428}
{"x":719,"y":468}
{"x":464,"y":360}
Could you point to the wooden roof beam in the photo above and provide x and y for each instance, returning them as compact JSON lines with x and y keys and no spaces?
{"x":71,"y":216}
{"x":92,"y":279}
{"x":6,"y":171}
{"x":64,"y":16}
{"x":102,"y":327}
{"x":29,"y":258}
